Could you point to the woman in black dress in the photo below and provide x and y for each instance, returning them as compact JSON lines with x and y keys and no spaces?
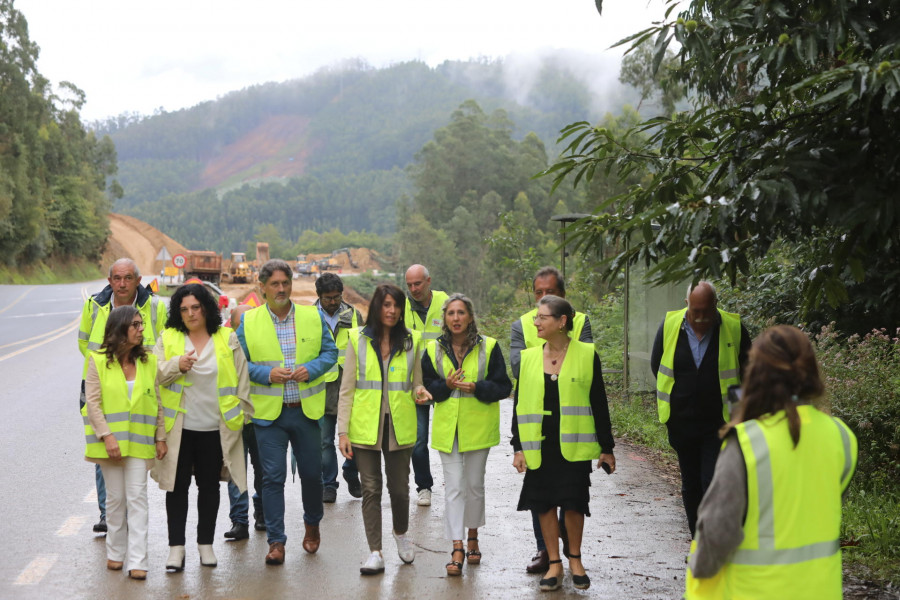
{"x":560,"y":424}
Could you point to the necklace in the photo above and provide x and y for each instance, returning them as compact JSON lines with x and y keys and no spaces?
{"x":553,"y":361}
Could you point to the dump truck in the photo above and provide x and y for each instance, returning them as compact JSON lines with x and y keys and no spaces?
{"x":204,"y":265}
{"x":262,"y":253}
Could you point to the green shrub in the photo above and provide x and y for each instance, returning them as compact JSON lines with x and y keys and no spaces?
{"x":862,"y":383}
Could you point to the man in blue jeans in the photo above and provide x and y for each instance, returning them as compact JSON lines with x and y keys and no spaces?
{"x":341,"y":318}
{"x":424,"y":313}
{"x":289,"y":349}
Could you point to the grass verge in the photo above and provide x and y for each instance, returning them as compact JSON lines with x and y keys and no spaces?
{"x":871,"y":527}
{"x":61,"y":271}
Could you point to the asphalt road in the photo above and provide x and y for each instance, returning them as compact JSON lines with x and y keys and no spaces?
{"x":635,"y":540}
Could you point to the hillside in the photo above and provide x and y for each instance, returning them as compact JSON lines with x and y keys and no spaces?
{"x":134,"y":239}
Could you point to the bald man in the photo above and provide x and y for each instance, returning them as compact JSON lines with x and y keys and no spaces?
{"x":699,"y":351}
{"x":423,"y":313}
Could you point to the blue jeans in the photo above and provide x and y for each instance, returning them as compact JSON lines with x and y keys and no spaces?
{"x":329,"y":455}
{"x":98,"y":474}
{"x":240,"y":502}
{"x":420,"y":460}
{"x":305,"y":438}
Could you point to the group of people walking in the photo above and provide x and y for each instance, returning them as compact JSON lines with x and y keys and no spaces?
{"x":180,"y":399}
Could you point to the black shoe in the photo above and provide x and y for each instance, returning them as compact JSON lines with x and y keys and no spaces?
{"x":259,"y":525}
{"x":238,"y":532}
{"x":353,"y":485}
{"x":100,"y":526}
{"x":329,"y":495}
{"x":551,"y":584}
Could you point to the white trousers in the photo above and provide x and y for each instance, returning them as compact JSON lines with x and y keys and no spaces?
{"x":126,"y":491}
{"x":463,"y":490}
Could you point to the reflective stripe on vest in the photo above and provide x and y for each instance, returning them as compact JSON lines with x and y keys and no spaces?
{"x":365,"y":413}
{"x":264,"y":348}
{"x":431,"y":328}
{"x":174,"y":343}
{"x":791,"y":544}
{"x":578,"y":434}
{"x":130,"y":418}
{"x":728,"y":351}
{"x":476,"y":424}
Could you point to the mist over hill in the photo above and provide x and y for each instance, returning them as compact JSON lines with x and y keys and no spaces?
{"x":334,"y":145}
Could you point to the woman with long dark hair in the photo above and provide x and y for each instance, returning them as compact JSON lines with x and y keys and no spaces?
{"x":205,"y":393}
{"x":381,"y":386}
{"x":124,"y":430}
{"x":560,"y":425}
{"x":769,"y":525}
{"x":465,"y":373}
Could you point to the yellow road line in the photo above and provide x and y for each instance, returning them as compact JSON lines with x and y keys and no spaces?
{"x":16,"y":301}
{"x":36,"y":569}
{"x":67,"y":329}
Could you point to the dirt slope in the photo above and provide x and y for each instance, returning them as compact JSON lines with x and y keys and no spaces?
{"x":134,"y":239}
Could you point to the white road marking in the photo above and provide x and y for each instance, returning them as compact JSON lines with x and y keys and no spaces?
{"x":36,"y":569}
{"x":91,"y":496}
{"x":37,"y":337}
{"x":45,"y":314}
{"x":71,"y":526}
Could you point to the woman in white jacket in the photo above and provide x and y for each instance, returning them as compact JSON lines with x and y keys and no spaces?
{"x":205,"y":389}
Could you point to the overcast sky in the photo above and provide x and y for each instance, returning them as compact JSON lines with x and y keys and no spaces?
{"x":131,"y":56}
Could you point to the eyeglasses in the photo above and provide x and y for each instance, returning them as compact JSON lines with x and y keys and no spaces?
{"x":542,"y":318}
{"x":137,"y":324}
{"x":332,"y":299}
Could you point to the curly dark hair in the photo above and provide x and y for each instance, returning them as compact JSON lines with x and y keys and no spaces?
{"x":203,"y":295}
{"x":400,"y":337}
{"x":115,"y":336}
{"x":782,"y":373}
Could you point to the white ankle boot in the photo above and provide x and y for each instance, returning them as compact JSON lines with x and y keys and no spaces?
{"x":175,"y":562}
{"x":207,"y":556}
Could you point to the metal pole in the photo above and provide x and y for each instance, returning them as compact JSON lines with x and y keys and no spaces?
{"x":563,"y":251}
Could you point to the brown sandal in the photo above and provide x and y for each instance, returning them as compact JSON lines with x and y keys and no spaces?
{"x":454,"y":567}
{"x":473,"y":557}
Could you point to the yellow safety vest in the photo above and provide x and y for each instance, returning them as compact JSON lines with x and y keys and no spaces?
{"x":729,"y":349}
{"x":131,"y":419}
{"x":226,"y":379}
{"x":791,"y":546}
{"x":93,"y":325}
{"x":476,"y":423}
{"x":264,"y":349}
{"x":529,"y":331}
{"x":577,"y":433}
{"x":341,"y":339}
{"x":431,"y":328}
{"x":366,"y":412}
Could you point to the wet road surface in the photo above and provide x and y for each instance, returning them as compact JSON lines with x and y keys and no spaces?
{"x":634,"y":542}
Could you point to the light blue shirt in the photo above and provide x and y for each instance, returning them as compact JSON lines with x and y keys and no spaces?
{"x":332,"y":320}
{"x":698,"y":346}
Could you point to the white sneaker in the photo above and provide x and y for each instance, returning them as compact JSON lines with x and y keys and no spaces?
{"x":374,"y":564}
{"x":424,"y":497}
{"x":404,"y":548}
{"x":207,"y":556}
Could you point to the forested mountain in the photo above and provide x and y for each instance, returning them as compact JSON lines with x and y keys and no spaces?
{"x":55,"y":177}
{"x":330,"y":150}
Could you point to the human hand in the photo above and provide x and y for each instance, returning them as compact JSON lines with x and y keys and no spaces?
{"x":466,"y":386}
{"x":300,"y":374}
{"x":454,"y":378}
{"x":112,"y":447}
{"x":344,"y":446}
{"x":161,"y":450}
{"x":422,"y":395}
{"x":519,"y":462}
{"x":610,"y":460}
{"x":279,"y":375}
{"x":186,"y":361}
